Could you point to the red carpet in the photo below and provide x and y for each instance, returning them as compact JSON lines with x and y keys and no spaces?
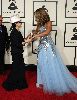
{"x":32,"y":93}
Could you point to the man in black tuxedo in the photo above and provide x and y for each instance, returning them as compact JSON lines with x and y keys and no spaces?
{"x":4,"y":43}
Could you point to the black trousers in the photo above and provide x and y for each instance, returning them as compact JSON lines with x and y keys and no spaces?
{"x":16,"y":78}
{"x":2,"y":53}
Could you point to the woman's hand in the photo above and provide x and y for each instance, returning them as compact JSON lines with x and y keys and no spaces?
{"x":28,"y":40}
{"x":35,"y":37}
{"x":29,"y":36}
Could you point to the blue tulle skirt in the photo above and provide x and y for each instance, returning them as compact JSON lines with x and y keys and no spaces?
{"x":52,"y":73}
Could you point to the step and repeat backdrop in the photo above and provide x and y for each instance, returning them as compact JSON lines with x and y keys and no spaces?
{"x":63,"y":14}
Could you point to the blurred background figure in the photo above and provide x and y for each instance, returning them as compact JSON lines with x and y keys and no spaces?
{"x":4,"y":44}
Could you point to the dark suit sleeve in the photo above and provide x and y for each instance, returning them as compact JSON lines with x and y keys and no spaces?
{"x":16,"y":40}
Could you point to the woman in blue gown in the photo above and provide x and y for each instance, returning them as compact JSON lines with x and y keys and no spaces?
{"x":52,"y":74}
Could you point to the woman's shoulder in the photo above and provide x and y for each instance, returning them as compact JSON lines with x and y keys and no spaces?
{"x":49,"y":23}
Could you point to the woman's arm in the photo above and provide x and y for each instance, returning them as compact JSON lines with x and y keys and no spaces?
{"x":48,"y":30}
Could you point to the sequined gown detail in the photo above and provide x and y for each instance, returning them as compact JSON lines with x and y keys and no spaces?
{"x":51,"y":71}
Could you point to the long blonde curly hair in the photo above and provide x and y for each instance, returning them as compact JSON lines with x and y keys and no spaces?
{"x":42,"y":15}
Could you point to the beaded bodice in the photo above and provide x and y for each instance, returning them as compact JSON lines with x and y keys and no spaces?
{"x":45,"y":41}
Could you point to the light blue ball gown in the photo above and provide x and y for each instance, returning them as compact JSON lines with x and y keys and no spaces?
{"x":51,"y":71}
